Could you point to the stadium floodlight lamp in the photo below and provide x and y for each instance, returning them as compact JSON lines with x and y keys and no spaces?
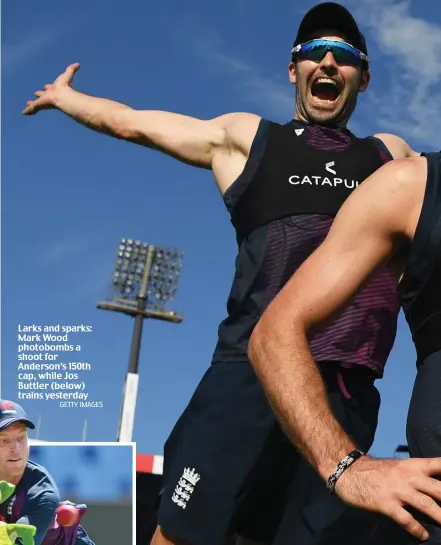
{"x":145,"y":279}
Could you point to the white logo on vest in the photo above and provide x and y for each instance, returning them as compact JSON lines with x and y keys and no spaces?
{"x":320,"y":180}
{"x":329,"y":169}
{"x":299,"y":131}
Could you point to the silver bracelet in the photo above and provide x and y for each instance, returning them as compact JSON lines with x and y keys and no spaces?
{"x":341,"y":467}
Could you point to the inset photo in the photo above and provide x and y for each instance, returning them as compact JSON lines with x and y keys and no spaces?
{"x":62,"y":493}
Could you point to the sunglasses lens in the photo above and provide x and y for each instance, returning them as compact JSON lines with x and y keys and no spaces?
{"x":343,"y":54}
{"x":313,"y":52}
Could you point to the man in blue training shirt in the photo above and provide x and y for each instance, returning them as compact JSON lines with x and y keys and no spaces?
{"x":36,"y":496}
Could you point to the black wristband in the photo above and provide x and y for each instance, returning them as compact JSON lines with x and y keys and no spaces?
{"x":341,"y":467}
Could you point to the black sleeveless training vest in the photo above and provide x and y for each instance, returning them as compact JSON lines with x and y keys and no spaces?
{"x":282,"y":206}
{"x":420,"y":288}
{"x":300,"y":174}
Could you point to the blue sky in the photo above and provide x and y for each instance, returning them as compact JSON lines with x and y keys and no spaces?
{"x":69,"y":195}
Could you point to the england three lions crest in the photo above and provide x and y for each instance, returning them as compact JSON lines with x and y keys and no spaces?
{"x":185,"y":487}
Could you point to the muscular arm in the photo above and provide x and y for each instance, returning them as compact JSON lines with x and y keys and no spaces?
{"x":371,"y":226}
{"x":188,"y":139}
{"x":221,"y":144}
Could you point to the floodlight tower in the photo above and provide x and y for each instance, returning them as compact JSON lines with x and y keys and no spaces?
{"x":145,"y":278}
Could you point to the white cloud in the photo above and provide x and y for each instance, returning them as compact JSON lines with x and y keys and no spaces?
{"x":262,"y":90}
{"x":409,"y":102}
{"x":272,"y":95}
{"x":84,"y":262}
{"x":32,"y":42}
{"x":29,"y":47}
{"x":63,"y":251}
{"x":94,"y":282}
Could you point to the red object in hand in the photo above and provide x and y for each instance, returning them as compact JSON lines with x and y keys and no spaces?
{"x":67,"y":515}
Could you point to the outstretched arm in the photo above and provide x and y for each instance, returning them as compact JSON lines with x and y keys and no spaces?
{"x":371,"y":226}
{"x":190,"y":140}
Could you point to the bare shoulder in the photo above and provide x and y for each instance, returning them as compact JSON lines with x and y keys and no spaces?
{"x":237,"y":119}
{"x":397,"y":146}
{"x":240,"y":128}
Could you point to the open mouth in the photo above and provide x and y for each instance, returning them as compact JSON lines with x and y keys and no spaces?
{"x":14,"y":459}
{"x":325,"y":89}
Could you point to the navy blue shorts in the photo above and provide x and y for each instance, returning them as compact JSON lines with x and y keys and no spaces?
{"x":229,"y":469}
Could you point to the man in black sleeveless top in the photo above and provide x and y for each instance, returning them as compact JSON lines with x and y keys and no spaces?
{"x":228,"y":467}
{"x":394,"y":218}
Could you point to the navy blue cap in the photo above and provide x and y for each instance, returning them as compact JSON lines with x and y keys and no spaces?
{"x":331,"y":16}
{"x":11,"y":412}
